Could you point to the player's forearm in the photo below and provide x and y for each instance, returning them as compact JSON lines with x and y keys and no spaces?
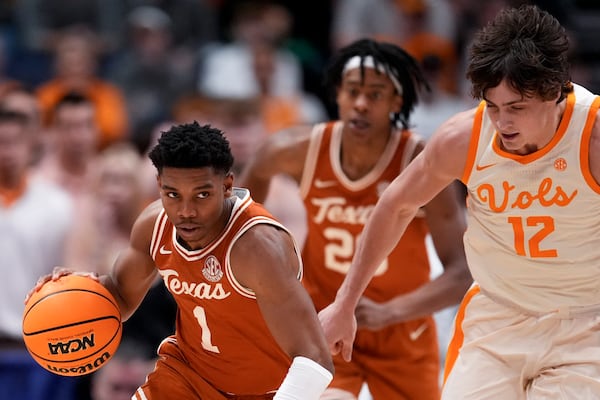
{"x":382,"y":232}
{"x":446,"y":290}
{"x":127,"y":306}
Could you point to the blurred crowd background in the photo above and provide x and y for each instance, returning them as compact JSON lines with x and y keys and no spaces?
{"x":86,"y":87}
{"x":147,"y":61}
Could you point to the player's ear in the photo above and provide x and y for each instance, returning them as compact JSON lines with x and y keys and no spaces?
{"x":397,"y":104}
{"x":228,"y":184}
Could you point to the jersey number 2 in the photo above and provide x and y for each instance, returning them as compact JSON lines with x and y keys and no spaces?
{"x":340,"y":249}
{"x":547,"y":227}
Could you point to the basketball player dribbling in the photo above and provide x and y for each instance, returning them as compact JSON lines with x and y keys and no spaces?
{"x":342,"y":167}
{"x":245,"y":328}
{"x":530,"y":157}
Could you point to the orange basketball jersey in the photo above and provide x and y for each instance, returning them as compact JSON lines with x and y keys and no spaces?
{"x":337,"y":210}
{"x":220,"y":328}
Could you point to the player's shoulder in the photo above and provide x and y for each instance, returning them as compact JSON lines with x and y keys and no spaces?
{"x":291,"y":138}
{"x":260,"y":252}
{"x":144,"y":224}
{"x":261,"y":239}
{"x":456,"y":130}
{"x":449,"y":146}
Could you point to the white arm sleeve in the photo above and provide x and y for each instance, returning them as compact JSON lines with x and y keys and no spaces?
{"x":305,"y":380}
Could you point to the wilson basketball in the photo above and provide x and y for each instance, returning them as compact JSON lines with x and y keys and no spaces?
{"x":72,"y":326}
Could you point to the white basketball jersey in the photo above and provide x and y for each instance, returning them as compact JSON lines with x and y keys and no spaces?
{"x":533,"y":238}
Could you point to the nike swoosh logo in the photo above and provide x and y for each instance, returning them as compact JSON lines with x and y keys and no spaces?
{"x":162,"y":250}
{"x":482,"y":167}
{"x":414,"y":335}
{"x":319,"y":184}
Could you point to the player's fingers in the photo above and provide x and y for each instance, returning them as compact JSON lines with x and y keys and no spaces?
{"x":40,"y":282}
{"x":335,"y":348}
{"x":92,"y":275}
{"x":57,"y":272}
{"x":347,"y":351}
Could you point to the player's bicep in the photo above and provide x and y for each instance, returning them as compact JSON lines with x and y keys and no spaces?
{"x":134,"y":269}
{"x":439,"y":164}
{"x":131,"y":277}
{"x":267,"y":263}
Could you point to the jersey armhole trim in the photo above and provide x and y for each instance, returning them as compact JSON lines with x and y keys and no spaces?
{"x":473,"y":143}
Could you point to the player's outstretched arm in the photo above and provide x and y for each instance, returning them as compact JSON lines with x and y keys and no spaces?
{"x":441,"y":162}
{"x":265,"y":261}
{"x":446,"y":221}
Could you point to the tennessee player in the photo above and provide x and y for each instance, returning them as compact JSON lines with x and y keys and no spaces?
{"x":530,"y":157}
{"x":245,"y":328}
{"x":342,"y":167}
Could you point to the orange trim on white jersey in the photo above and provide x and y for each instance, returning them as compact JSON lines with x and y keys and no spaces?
{"x":458,"y":337}
{"x":473,"y":143}
{"x":585,"y":146}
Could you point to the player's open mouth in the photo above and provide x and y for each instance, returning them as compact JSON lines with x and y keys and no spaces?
{"x":509,"y":136}
{"x":187,"y":230}
{"x":359,"y":124}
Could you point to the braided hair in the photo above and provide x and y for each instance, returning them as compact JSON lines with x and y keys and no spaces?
{"x":388,"y":57}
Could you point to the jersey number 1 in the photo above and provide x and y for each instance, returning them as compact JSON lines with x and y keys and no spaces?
{"x":206,"y":335}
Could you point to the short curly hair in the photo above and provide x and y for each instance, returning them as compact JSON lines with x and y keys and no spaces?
{"x":192,"y":145}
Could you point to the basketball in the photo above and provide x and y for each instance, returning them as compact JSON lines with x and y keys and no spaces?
{"x":72,"y":325}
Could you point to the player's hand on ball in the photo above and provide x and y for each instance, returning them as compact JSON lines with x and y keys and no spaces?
{"x":57,"y":272}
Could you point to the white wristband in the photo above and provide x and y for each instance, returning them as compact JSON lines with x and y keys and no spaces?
{"x":305,"y":380}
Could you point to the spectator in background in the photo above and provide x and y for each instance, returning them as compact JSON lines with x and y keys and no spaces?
{"x":149,"y":71}
{"x":42,"y":22}
{"x":35,"y":218}
{"x":438,"y":104}
{"x":16,"y":97}
{"x":195,"y":21}
{"x":107,"y":210}
{"x":389,"y":20}
{"x":75,"y":70}
{"x":418,"y":26}
{"x":5,"y":53}
{"x":73,"y":140}
{"x":255,"y":65}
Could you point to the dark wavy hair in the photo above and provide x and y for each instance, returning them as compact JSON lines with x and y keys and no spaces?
{"x":192,"y":145}
{"x":394,"y":60}
{"x":526,"y":46}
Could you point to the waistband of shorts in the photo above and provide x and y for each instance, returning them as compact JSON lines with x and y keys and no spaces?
{"x":562,"y":312}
